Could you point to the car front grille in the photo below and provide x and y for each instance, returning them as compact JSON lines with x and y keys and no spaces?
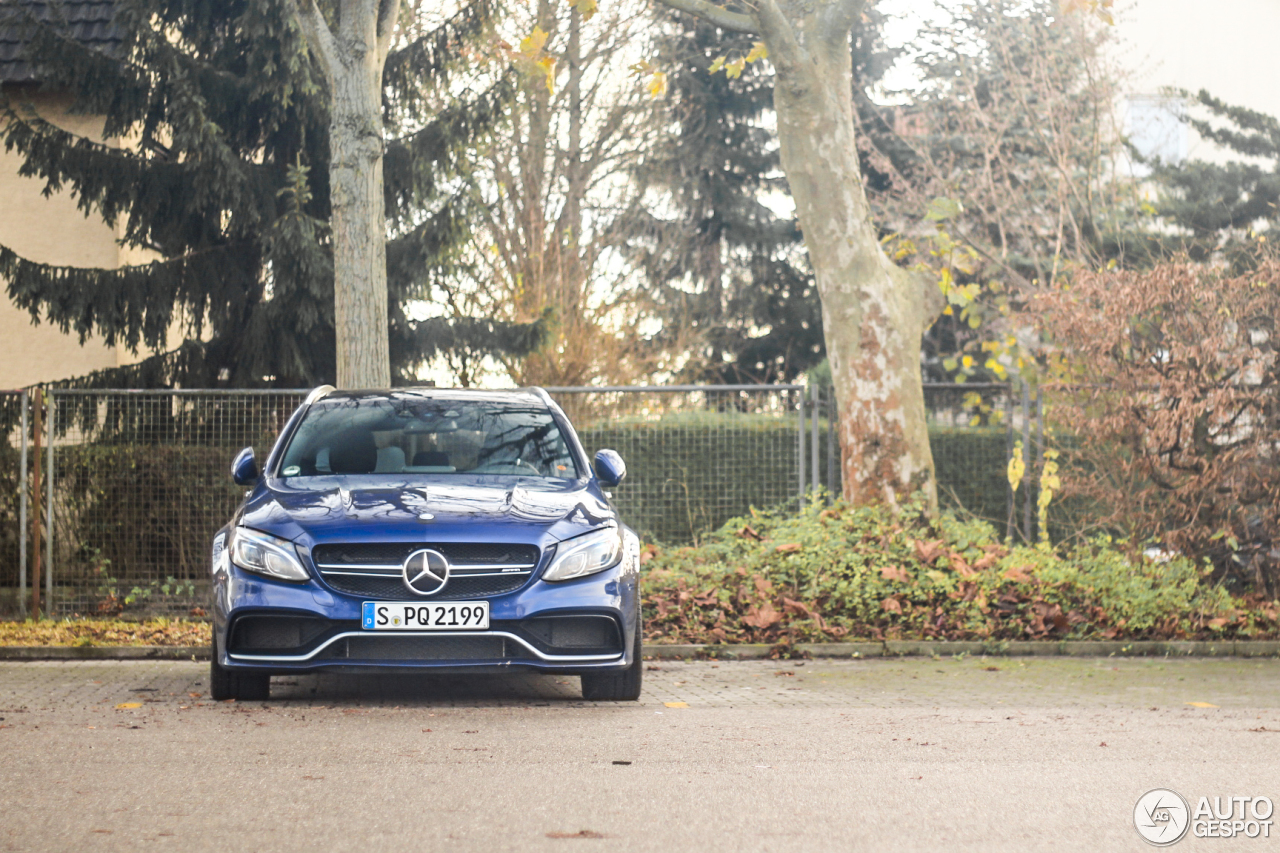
{"x":476,"y":569}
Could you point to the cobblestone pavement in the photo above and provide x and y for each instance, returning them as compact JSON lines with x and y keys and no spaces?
{"x":910,"y":754}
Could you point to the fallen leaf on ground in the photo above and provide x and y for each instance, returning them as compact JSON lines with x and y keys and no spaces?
{"x":1201,"y":705}
{"x":676,"y":704}
{"x":894,"y":573}
{"x":129,"y":705}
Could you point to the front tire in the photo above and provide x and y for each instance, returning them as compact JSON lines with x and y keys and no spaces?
{"x":618,"y":686}
{"x":227,"y":684}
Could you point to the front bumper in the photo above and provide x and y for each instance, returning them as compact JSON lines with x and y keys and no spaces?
{"x":585,"y":625}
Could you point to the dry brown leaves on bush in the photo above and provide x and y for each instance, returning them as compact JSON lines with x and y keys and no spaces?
{"x":1172,"y":375}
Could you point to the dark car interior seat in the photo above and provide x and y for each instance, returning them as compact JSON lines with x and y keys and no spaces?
{"x":353,"y":453}
{"x":432,"y":458}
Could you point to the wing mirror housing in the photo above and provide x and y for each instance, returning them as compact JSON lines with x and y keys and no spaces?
{"x":610,"y":469}
{"x":244,"y":470}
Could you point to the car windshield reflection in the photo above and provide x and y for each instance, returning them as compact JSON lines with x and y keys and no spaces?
{"x":400,"y":435}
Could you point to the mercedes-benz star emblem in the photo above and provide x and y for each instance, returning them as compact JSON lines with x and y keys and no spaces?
{"x":426,"y":572}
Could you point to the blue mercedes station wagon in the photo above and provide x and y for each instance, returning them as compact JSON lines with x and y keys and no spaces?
{"x":429,"y":531}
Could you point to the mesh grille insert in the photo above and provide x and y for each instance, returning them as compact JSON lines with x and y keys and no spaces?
{"x":575,"y":632}
{"x":275,"y":632}
{"x":425,"y":648}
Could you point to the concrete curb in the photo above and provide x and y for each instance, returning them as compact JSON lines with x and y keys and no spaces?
{"x":759,"y":651}
{"x":908,"y":648}
{"x":104,"y":652}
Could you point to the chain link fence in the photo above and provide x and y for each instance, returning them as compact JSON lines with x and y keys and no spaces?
{"x":696,"y":455}
{"x":13,"y":497}
{"x":136,"y":482}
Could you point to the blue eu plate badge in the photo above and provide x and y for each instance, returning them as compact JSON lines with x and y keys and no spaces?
{"x":366,"y":615}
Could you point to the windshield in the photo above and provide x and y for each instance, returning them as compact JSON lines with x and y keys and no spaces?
{"x":414,"y":434}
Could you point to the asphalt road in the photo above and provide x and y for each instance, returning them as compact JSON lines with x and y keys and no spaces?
{"x":911,"y":754}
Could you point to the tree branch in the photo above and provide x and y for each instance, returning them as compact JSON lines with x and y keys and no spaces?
{"x":784,"y":47}
{"x":311,"y":21}
{"x":388,"y":11}
{"x":843,"y":15}
{"x":722,"y":18}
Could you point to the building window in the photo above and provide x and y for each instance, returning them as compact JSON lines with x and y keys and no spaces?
{"x":1156,"y":127}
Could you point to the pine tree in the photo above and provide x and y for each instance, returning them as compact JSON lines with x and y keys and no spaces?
{"x":225,"y":179}
{"x":726,"y":273}
{"x":1216,"y":203}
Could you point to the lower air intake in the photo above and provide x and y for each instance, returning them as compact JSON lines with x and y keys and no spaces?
{"x":392,"y":648}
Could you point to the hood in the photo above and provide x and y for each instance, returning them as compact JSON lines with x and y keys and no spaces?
{"x":500,"y":509}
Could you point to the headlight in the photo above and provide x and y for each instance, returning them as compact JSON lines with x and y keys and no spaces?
{"x":266,"y":555}
{"x":585,"y":555}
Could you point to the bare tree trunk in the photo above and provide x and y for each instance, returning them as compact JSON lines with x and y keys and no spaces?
{"x":352,"y":59}
{"x":874,"y":312}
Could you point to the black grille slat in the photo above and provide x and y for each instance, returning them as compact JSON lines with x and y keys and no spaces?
{"x":394,"y":553}
{"x":394,"y":588}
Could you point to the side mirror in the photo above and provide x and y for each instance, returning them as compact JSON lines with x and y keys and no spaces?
{"x":244,"y":470}
{"x":610,"y":469}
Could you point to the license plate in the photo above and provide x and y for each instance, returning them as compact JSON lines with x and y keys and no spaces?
{"x":424,"y":616}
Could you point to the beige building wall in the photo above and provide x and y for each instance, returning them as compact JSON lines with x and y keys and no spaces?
{"x":1223,"y":46}
{"x":53,"y":231}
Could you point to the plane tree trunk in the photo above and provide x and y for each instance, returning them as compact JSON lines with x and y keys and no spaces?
{"x":352,"y":55}
{"x":874,"y":312}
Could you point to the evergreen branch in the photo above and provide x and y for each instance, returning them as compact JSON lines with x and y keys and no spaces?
{"x":153,"y":193}
{"x":412,"y":72}
{"x":1264,"y":139}
{"x":723,"y":18}
{"x":412,"y":257}
{"x":428,"y":338}
{"x":187,"y":366}
{"x":414,"y":165}
{"x":130,"y":305}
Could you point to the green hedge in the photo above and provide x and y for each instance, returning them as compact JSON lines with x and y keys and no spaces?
{"x":688,"y":474}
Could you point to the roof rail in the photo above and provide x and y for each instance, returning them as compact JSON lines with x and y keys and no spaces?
{"x":541,"y":392}
{"x":318,"y":394}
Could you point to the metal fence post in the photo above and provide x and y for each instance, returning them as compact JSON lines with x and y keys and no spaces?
{"x":800,"y":442}
{"x":832,"y":415}
{"x":22,"y":508}
{"x":1039,"y":415}
{"x":48,"y":532}
{"x":1011,"y":495}
{"x":1026,"y":457}
{"x":813,"y":435}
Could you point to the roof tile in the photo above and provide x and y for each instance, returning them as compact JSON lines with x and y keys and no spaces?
{"x":87,"y":21}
